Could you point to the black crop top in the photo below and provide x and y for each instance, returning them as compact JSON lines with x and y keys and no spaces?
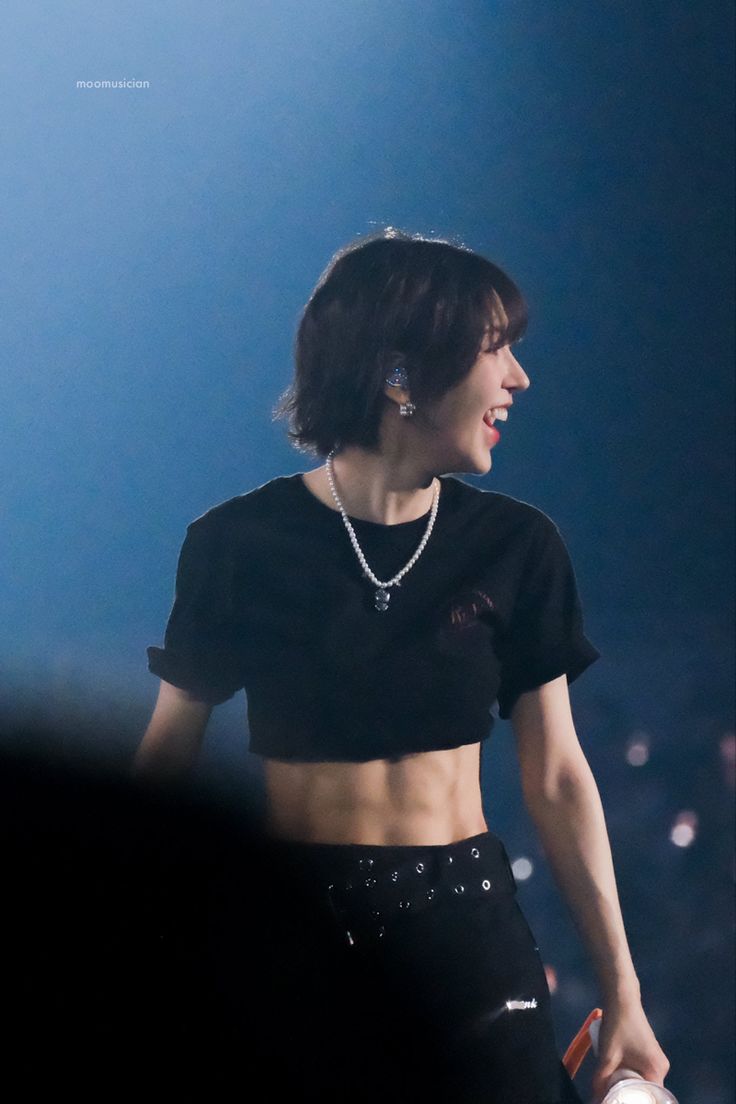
{"x":270,"y":597}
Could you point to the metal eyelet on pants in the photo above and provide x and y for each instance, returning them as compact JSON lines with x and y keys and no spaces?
{"x":367,"y":887}
{"x":434,"y":944}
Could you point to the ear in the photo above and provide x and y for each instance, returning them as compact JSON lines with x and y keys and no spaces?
{"x":392,"y":362}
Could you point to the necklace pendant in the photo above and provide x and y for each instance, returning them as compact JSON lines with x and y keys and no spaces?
{"x":382,"y":598}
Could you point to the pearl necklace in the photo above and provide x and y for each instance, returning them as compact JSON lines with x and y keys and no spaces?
{"x":382,"y":594}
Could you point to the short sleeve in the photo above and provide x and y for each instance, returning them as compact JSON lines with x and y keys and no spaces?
{"x":200,"y":651}
{"x":545,"y":637}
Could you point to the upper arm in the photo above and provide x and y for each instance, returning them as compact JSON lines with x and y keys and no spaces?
{"x":546,"y":741}
{"x":202,"y":649}
{"x":174,"y":734}
{"x":545,"y":636}
{"x":177,"y":708}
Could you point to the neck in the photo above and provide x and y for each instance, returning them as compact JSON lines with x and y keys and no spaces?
{"x":380,"y":488}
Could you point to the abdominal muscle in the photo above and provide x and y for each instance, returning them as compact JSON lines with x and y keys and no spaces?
{"x":432,"y":797}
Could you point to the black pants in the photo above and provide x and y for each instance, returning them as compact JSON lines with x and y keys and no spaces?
{"x":443,"y":963}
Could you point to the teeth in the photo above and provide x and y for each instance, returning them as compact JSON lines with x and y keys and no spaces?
{"x":499,"y":412}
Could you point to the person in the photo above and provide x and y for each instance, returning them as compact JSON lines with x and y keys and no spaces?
{"x":130,"y":933}
{"x":375,"y":609}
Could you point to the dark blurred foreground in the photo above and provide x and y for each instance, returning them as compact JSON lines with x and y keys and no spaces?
{"x":154,"y":945}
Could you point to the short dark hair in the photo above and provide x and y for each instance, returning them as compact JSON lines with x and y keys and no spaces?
{"x":391,"y":299}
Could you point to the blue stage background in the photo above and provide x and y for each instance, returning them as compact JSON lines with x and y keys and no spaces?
{"x":160,"y":241}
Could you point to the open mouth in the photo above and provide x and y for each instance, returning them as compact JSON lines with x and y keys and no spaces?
{"x":494,"y":413}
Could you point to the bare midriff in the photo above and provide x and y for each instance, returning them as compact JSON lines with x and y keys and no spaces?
{"x":433,"y":797}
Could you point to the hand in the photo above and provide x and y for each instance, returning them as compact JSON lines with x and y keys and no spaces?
{"x":626,"y":1040}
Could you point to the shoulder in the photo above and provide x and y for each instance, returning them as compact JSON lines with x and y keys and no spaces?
{"x":504,"y":509}
{"x":233,"y":513}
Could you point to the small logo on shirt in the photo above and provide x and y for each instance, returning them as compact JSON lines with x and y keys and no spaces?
{"x":512,"y":1004}
{"x":468,"y":609}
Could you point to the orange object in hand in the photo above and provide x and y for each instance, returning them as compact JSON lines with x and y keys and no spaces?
{"x":624,"y":1085}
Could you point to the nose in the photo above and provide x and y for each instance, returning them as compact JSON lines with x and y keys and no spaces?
{"x":519,"y":376}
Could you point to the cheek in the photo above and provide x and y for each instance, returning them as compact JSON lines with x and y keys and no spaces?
{"x":459,"y":413}
{"x":473,"y":408}
{"x":461,"y":419}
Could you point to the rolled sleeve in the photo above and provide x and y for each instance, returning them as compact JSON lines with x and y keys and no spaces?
{"x":546,"y":636}
{"x":200,"y":652}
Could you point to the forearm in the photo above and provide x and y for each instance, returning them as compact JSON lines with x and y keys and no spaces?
{"x":572,"y":829}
